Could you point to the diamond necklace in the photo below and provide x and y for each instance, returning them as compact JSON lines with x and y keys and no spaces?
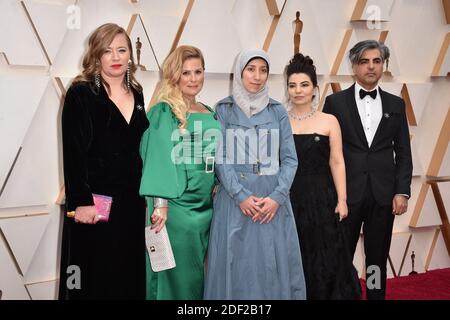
{"x":303,"y":117}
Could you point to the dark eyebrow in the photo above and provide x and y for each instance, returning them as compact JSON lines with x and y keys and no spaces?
{"x":255,"y":66}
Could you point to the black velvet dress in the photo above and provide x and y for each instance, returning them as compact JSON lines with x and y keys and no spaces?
{"x":327,"y":262}
{"x":101,"y":155}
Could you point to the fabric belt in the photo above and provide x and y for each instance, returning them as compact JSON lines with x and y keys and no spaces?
{"x":207,"y":165}
{"x":248,"y":168}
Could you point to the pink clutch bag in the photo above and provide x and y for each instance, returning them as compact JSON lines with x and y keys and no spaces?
{"x":102,"y":204}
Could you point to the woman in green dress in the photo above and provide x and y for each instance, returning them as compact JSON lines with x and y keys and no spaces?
{"x":178,"y":178}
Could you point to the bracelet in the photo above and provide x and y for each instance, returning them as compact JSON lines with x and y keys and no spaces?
{"x":160,"y":203}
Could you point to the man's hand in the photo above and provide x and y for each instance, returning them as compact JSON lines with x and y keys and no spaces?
{"x":399,"y":204}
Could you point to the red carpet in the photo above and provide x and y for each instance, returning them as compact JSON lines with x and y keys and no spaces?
{"x":431,"y":285}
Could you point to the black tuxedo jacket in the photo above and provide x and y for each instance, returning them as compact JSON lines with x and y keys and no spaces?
{"x":387,"y":162}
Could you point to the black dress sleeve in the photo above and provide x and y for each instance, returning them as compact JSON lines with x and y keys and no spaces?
{"x":76,"y":137}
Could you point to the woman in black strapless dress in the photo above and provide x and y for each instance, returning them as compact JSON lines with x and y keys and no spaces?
{"x":318,"y":193}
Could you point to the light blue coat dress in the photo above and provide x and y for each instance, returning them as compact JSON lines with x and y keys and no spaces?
{"x":248,"y":260}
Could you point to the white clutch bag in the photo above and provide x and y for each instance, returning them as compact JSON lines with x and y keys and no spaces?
{"x":159,"y":249}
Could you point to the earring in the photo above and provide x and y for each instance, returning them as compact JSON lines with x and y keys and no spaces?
{"x":97,"y":76}
{"x":128,"y":76}
{"x":288,"y":102}
{"x":316,"y":102}
{"x":97,"y":80}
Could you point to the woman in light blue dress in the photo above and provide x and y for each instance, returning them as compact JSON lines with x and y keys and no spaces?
{"x":254,"y":251}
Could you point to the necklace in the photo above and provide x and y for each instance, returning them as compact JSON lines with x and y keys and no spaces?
{"x":303,"y":117}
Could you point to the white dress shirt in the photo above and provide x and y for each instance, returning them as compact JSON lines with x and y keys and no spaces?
{"x":370,"y":111}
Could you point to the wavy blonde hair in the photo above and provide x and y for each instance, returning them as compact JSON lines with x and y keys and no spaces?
{"x":99,"y":41}
{"x":170,"y":90}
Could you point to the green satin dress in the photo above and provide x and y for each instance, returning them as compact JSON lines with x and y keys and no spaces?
{"x":188,"y":187}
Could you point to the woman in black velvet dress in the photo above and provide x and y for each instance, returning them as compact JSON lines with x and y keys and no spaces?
{"x":102,"y":123}
{"x":318,"y":193}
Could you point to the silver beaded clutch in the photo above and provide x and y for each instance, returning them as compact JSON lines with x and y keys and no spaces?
{"x":159,"y":249}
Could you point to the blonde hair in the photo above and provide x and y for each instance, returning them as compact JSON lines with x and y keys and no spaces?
{"x":99,"y":41}
{"x":170,"y":90}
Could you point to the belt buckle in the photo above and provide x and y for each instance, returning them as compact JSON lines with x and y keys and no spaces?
{"x":257,"y":168}
{"x":209,"y":161}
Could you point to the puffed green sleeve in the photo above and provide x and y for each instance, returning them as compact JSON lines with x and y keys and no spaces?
{"x":161,"y":176}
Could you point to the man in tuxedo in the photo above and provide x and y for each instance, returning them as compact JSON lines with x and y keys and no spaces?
{"x":377,"y":157}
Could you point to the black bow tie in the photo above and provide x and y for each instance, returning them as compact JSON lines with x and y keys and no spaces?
{"x":363,"y":93}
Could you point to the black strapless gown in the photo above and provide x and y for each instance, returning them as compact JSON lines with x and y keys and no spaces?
{"x":327,"y":262}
